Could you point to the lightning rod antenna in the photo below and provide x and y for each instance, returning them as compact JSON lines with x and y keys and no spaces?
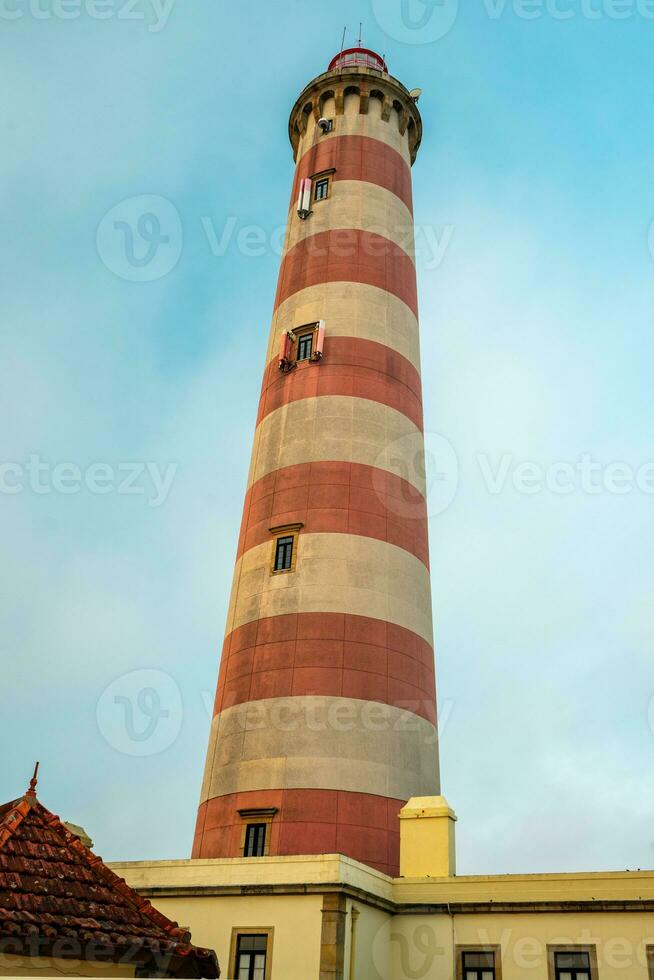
{"x":34,"y":780}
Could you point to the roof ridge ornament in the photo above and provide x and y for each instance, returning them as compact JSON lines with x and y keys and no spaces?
{"x":33,"y":781}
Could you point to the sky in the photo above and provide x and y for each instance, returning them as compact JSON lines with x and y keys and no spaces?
{"x":158,"y":130}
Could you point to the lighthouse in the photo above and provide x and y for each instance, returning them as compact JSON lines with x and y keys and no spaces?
{"x":323,"y":847}
{"x":325,"y":714}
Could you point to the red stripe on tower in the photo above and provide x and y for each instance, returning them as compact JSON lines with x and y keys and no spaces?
{"x":347,"y":498}
{"x":357,"y":158}
{"x":349,"y":255}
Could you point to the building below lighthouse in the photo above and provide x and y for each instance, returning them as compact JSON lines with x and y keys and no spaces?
{"x":323,"y":848}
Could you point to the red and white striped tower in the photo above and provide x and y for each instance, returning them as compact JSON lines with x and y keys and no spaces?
{"x":325,"y":712}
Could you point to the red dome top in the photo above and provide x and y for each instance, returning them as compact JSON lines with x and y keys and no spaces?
{"x":352,"y":57}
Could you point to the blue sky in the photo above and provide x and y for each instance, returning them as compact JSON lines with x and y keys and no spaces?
{"x":536,"y":171}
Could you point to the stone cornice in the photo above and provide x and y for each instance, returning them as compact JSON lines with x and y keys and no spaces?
{"x":367,"y":83}
{"x":397,"y":908}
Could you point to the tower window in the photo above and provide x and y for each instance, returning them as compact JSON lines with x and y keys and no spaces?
{"x":284,"y":554}
{"x":322,"y":189}
{"x":251,"y":957}
{"x":572,"y":966}
{"x":321,"y":184}
{"x":478,"y":965}
{"x":309,"y":340}
{"x":256,"y":831}
{"x":255,"y":840}
{"x":285,"y":548}
{"x":305,"y":346}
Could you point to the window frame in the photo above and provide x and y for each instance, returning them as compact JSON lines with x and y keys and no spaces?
{"x":285,"y":531}
{"x":325,"y":176}
{"x":301,"y":334}
{"x":496,"y":952}
{"x":254,"y":838}
{"x":649,"y":954}
{"x":254,"y":816}
{"x":284,"y":553}
{"x":237,"y":932}
{"x":302,"y":331}
{"x":591,"y":952}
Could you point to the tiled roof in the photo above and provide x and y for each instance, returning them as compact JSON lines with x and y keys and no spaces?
{"x":58,"y":898}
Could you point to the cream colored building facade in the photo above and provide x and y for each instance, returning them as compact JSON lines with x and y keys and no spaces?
{"x":330,"y":918}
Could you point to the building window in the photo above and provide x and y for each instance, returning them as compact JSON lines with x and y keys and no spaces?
{"x":305,"y":346}
{"x":251,"y":957}
{"x":284,"y":553}
{"x":478,"y":965}
{"x":251,"y":953}
{"x":572,"y":966}
{"x":572,"y":963}
{"x":255,"y":840}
